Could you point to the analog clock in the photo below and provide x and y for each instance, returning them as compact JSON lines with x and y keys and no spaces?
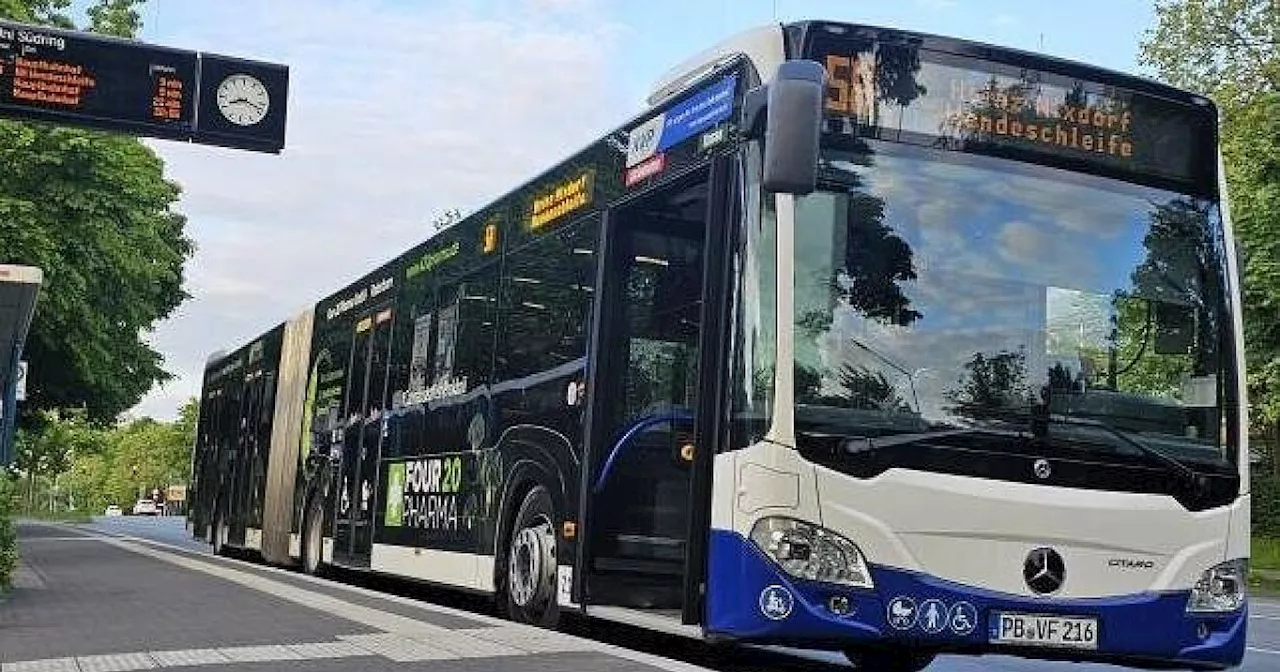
{"x":243,"y":100}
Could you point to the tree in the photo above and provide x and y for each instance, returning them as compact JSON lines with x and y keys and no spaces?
{"x":993,"y":385}
{"x":48,"y":449}
{"x":8,"y":538}
{"x":877,"y":263}
{"x":1230,"y":50}
{"x":853,"y":387}
{"x":93,"y":210}
{"x":1226,"y":48}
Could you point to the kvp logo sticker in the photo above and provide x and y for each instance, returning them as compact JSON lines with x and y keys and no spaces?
{"x":776,"y":602}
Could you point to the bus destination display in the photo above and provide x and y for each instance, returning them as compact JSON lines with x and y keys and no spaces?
{"x":61,"y":75}
{"x":912,"y":95}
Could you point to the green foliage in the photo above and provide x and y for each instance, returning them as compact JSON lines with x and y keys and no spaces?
{"x":1253,"y":151}
{"x":991,"y":384}
{"x":8,"y":538}
{"x":1265,"y":554}
{"x":1140,"y":369}
{"x":93,"y":210}
{"x":1230,"y":50}
{"x":1265,"y":510}
{"x":1227,"y":48}
{"x":69,"y":461}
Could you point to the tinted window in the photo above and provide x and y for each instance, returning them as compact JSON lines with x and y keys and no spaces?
{"x":469,"y":357}
{"x":546,"y":302}
{"x":953,"y":293}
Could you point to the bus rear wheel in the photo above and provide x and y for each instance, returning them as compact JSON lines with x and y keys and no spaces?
{"x":313,"y":539}
{"x":531,"y":562}
{"x":219,"y":547}
{"x":889,"y":660}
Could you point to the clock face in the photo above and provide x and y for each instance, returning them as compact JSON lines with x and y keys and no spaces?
{"x":243,"y":100}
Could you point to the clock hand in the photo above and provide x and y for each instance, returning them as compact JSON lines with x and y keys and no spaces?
{"x":248,"y":102}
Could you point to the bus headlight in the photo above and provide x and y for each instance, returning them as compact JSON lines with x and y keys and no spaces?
{"x":1221,"y":588}
{"x":810,"y":552}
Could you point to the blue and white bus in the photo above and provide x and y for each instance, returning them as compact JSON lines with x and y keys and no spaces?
{"x":854,"y":339}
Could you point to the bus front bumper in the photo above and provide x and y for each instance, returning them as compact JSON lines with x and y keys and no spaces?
{"x":750,"y":600}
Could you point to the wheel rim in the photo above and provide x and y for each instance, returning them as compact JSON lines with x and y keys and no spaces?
{"x":532,"y":556}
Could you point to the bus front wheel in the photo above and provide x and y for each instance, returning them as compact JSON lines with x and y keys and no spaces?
{"x":531,"y":562}
{"x":889,"y":660}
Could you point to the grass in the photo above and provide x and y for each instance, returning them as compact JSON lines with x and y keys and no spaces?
{"x":1264,"y":566}
{"x":1265,"y":554}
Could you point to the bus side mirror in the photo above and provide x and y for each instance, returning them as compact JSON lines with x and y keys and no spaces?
{"x":792,"y":127}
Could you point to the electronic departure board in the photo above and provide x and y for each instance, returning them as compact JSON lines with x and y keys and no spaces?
{"x":1030,"y":109}
{"x":96,"y":81}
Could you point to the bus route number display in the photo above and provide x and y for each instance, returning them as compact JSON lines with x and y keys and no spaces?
{"x":58,"y":75}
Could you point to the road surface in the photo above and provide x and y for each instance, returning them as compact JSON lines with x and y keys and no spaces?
{"x":87,"y":602}
{"x":1263,"y":653}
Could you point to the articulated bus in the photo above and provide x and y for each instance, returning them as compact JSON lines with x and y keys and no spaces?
{"x":855,"y":339}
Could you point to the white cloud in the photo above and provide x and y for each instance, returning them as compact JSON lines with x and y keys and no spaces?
{"x":396,"y":113}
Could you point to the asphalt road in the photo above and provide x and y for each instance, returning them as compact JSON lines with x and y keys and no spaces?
{"x":1263,"y":654}
{"x":88,"y":602}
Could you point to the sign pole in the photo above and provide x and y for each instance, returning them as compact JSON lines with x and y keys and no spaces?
{"x":8,"y":416}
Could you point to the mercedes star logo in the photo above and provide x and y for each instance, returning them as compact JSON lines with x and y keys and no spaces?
{"x":1042,"y":469}
{"x":1044,"y":571}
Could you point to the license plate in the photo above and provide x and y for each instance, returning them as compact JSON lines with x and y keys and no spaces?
{"x":1075,"y":632}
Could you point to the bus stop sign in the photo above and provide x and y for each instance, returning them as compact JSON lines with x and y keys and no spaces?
{"x":19,"y":288}
{"x":106,"y":83}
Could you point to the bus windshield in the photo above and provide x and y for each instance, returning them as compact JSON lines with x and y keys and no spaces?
{"x":938,"y":290}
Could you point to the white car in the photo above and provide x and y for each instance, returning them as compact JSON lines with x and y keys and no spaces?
{"x":145,"y":507}
{"x":113,"y":511}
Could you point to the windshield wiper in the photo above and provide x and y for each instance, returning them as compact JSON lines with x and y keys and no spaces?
{"x":1194,"y":479}
{"x":860,"y":444}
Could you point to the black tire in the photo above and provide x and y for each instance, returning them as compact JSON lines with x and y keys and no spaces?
{"x":313,"y":539}
{"x":531,"y":562}
{"x":889,"y":660}
{"x":219,"y":548}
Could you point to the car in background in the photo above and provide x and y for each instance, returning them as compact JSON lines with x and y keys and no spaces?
{"x":145,"y":507}
{"x":113,"y":511}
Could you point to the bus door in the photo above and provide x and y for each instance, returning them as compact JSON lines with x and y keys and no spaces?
{"x":243,"y":458}
{"x":204,"y":495}
{"x":658,"y":346}
{"x":358,"y":472}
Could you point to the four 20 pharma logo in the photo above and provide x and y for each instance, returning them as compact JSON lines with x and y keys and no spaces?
{"x":395,"y":495}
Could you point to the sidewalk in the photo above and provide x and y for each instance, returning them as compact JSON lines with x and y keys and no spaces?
{"x":88,"y":603}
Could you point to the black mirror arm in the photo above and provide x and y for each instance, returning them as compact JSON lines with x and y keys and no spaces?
{"x":755,"y":112}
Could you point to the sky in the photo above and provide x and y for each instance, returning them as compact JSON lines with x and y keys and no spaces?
{"x":402,"y":109}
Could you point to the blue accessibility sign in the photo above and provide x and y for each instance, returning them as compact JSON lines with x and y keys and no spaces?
{"x":933,"y":616}
{"x":902,"y":613}
{"x":776,"y":602}
{"x":963,"y":618}
{"x":691,"y":116}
